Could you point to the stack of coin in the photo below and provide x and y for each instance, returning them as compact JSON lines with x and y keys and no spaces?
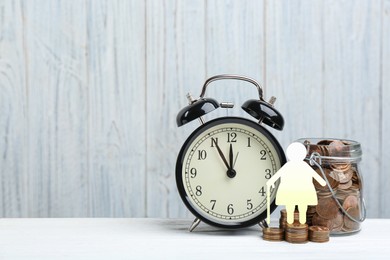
{"x":273,"y":234}
{"x":296,"y":233}
{"x":283,"y":218}
{"x":318,"y":234}
{"x":344,"y":179}
{"x":311,"y":211}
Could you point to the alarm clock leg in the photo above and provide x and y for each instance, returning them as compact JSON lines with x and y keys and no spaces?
{"x":194,"y":224}
{"x":263,"y":224}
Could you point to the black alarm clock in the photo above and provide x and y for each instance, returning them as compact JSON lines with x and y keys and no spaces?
{"x":223,"y":166}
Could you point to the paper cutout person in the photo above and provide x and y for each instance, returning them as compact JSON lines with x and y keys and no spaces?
{"x":296,"y":186}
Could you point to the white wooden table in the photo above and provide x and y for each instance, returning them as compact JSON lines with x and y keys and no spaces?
{"x":169,"y":239}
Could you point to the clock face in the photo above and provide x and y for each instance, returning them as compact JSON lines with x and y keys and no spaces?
{"x":222,"y":171}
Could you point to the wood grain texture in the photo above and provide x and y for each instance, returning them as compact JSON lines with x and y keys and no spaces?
{"x":234,"y":44}
{"x":90,"y":90}
{"x":57,"y":111}
{"x":293,"y":66}
{"x":77,"y":148}
{"x":13,"y":112}
{"x":351,"y":84}
{"x":174,"y":49}
{"x":117,"y":103}
{"x":384,"y":176}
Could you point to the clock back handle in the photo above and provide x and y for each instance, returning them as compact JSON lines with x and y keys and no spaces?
{"x":232,"y":76}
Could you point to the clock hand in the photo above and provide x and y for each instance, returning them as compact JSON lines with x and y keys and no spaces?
{"x":235,"y":159}
{"x":222,"y":156}
{"x":231,"y":157}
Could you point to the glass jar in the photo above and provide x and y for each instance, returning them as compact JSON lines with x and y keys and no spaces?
{"x":340,"y":205}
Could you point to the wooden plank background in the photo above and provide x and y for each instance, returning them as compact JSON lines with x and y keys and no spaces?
{"x":89,"y":92}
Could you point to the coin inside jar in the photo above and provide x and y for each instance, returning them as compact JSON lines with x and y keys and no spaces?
{"x":322,"y":147}
{"x":350,"y":224}
{"x":327,"y":208}
{"x":339,"y":160}
{"x":340,"y":176}
{"x":338,"y":222}
{"x":332,"y":181}
{"x":344,"y":186}
{"x":319,"y":221}
{"x":350,"y":202}
{"x":335,"y":148}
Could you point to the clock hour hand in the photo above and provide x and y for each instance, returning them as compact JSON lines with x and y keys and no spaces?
{"x":222,"y":156}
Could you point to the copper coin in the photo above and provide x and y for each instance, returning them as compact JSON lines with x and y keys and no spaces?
{"x":340,"y":176}
{"x":297,"y":226}
{"x":322,"y":147}
{"x":323,"y":195}
{"x":324,"y":142}
{"x":319,"y":229}
{"x":335,"y":148}
{"x":296,"y":233}
{"x":313,"y":149}
{"x":327,"y":208}
{"x":319,"y":234}
{"x":355,"y":186}
{"x":324,"y":151}
{"x":273,"y":234}
{"x":349,"y":224}
{"x":341,"y":166}
{"x":319,"y":221}
{"x":338,"y":222}
{"x":348,"y":174}
{"x":345,"y":186}
{"x":283,"y":214}
{"x":311,"y":209}
{"x":350,"y":202}
{"x":333,"y":182}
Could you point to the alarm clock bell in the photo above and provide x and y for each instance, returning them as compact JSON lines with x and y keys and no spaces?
{"x":257,"y":108}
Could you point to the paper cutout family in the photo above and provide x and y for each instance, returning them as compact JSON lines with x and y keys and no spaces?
{"x":296,"y":187}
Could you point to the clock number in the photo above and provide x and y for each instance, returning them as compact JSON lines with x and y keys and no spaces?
{"x":193,"y":172}
{"x":198,"y":190}
{"x":230,"y":209}
{"x":202,"y":154}
{"x":268,"y":174}
{"x":263,"y":154}
{"x":249,"y":142}
{"x":262,"y":191}
{"x":232,"y":137}
{"x":213,"y":204}
{"x":249,"y":204}
{"x":214,"y":141}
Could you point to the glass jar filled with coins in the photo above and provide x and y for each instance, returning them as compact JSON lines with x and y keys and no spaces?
{"x":340,"y":205}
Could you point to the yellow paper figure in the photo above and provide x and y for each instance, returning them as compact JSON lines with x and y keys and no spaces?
{"x":296,"y":186}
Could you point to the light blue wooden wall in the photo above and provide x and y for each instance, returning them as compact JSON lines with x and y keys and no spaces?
{"x":89,"y":92}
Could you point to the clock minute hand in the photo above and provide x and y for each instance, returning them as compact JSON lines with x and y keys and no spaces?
{"x":231,"y":157}
{"x":222,"y":156}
